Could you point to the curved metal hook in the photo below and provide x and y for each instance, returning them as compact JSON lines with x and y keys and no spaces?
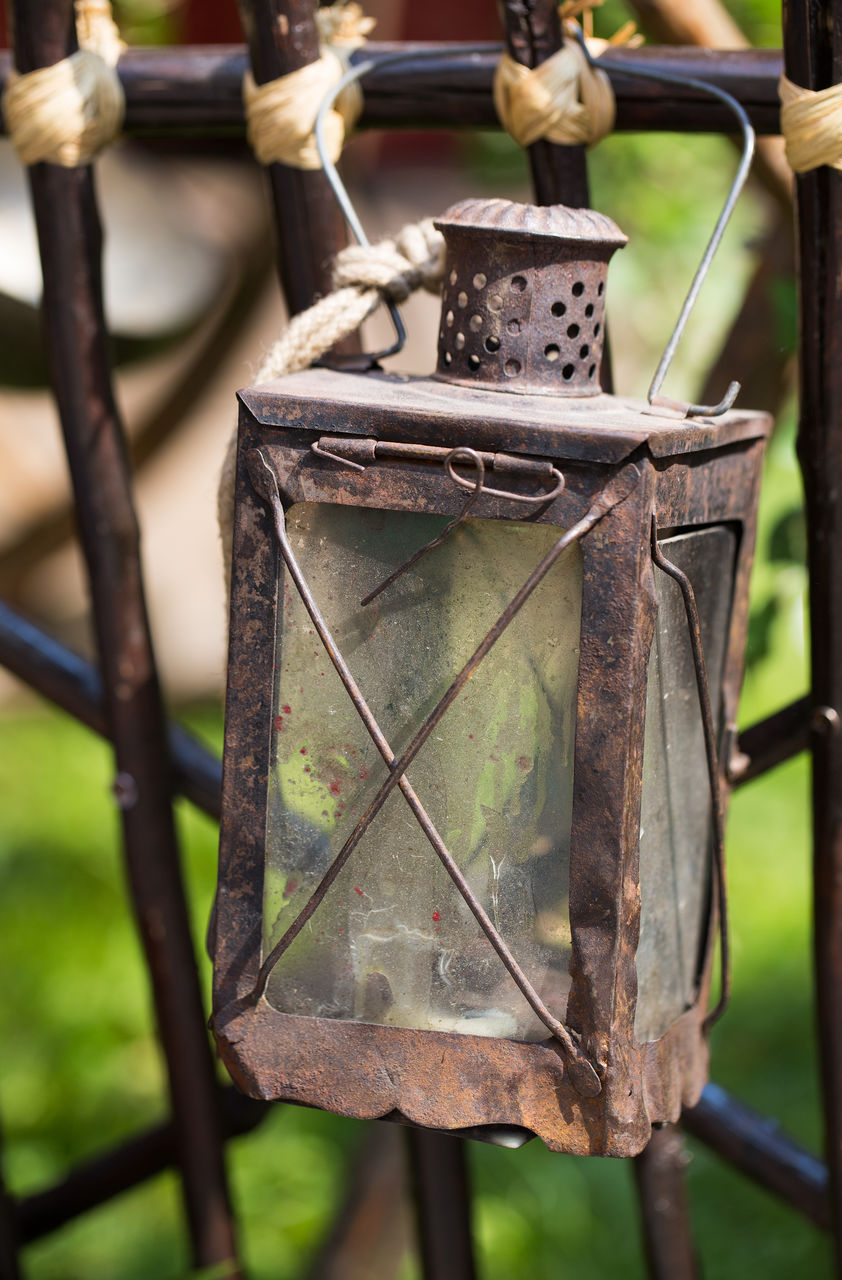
{"x":527,"y":499}
{"x":722,"y":221}
{"x":463,"y":453}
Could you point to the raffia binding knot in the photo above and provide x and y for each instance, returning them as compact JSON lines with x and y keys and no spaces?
{"x":564,"y":99}
{"x":67,"y":113}
{"x":281,"y":114}
{"x":811,"y":122}
{"x":363,"y":275}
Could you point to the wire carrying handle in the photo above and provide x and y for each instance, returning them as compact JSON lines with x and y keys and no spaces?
{"x":654,"y":398}
{"x":340,"y":191}
{"x":663,"y":77}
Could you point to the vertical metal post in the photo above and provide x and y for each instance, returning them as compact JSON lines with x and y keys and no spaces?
{"x":658,"y":1173}
{"x":533,"y":33}
{"x":813,"y":59}
{"x":282,"y":37}
{"x":70,"y":237}
{"x":439,"y":1180}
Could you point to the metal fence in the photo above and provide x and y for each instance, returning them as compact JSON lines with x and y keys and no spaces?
{"x":184,"y":92}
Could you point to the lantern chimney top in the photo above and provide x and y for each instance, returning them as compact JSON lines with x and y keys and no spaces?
{"x":523,"y":307}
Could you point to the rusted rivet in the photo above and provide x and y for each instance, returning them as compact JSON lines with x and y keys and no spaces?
{"x":825,"y":720}
{"x":124,"y":788}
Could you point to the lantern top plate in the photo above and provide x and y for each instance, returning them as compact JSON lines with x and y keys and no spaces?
{"x":600,"y":429}
{"x":551,"y":222}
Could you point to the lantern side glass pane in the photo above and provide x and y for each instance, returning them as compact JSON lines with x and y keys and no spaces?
{"x":675,"y":820}
{"x":393,"y":942}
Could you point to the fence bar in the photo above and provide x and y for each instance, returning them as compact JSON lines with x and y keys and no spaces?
{"x":100,"y":1179}
{"x":70,"y":237}
{"x":73,"y":684}
{"x":191,"y":91}
{"x":771,"y":741}
{"x":659,"y":1174}
{"x":369,"y":1235}
{"x":813,"y":55}
{"x":439,"y":1178}
{"x":533,"y":34}
{"x":282,"y":38}
{"x":755,"y":1145}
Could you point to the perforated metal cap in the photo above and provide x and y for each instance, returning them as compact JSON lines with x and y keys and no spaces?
{"x":523,"y":308}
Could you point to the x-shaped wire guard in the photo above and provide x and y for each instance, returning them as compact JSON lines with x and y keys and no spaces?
{"x":581,"y":1071}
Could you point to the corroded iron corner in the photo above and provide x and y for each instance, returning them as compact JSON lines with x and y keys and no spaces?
{"x":523,"y":307}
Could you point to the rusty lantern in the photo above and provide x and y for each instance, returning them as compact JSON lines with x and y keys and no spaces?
{"x":470,"y":864}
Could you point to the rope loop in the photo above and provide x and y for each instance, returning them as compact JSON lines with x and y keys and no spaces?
{"x":414,"y":259}
{"x":281,"y":114}
{"x":362,"y":275}
{"x":67,"y":113}
{"x":811,"y":122}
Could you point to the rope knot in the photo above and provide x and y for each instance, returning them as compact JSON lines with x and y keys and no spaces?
{"x":811,"y":122}
{"x":564,"y":99}
{"x":414,"y":259}
{"x":281,"y":114}
{"x":65,"y":114}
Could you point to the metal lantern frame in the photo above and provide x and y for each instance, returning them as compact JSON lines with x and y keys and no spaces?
{"x":630,"y":470}
{"x":179,"y":93}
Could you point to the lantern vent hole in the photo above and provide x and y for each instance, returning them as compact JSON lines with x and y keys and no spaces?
{"x":522,"y":297}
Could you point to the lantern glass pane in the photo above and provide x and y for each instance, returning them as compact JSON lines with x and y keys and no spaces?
{"x":393,"y":942}
{"x":675,"y":820}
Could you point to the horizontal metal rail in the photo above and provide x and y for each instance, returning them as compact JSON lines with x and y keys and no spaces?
{"x":755,"y":1145}
{"x":74,"y":684}
{"x":190,"y":91}
{"x":100,"y":1179}
{"x":772,"y":741}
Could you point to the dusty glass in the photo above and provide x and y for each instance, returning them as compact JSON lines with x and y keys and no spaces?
{"x":675,"y":821}
{"x":393,"y":942}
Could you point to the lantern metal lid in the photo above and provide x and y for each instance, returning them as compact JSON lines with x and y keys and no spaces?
{"x":523,"y":305}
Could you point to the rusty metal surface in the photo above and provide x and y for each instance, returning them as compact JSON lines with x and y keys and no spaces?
{"x":603,"y":429}
{"x":659,"y":1174}
{"x":439,"y":1079}
{"x":523,"y":303}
